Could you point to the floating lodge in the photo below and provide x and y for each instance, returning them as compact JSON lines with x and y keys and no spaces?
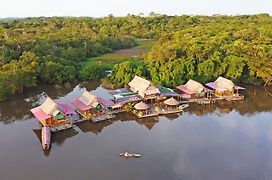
{"x":142,"y":98}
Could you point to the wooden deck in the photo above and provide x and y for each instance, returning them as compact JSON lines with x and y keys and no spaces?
{"x":205,"y":101}
{"x":234,"y":98}
{"x":102,"y":117}
{"x":162,"y":111}
{"x":61,"y":127}
{"x":97,"y":118}
{"x":117,"y":111}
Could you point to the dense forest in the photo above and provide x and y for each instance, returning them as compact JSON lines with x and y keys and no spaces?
{"x":53,"y":50}
{"x":236,"y":47}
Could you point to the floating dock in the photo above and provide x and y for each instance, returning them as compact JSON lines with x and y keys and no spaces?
{"x":61,"y":127}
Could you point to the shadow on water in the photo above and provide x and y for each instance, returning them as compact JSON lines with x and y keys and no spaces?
{"x":95,"y":128}
{"x":172,"y":117}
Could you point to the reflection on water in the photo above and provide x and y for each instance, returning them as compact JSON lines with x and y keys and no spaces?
{"x":256,"y":100}
{"x":219,"y":141}
{"x":18,"y":108}
{"x":95,"y":128}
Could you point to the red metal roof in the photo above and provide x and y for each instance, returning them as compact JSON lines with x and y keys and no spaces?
{"x":214,"y":86}
{"x":185,"y":89}
{"x":79,"y":105}
{"x":66,"y":108}
{"x":39,"y":114}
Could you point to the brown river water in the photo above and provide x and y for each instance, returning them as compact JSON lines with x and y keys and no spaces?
{"x":216,"y":142}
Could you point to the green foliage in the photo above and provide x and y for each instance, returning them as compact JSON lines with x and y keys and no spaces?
{"x":129,"y":107}
{"x":17,"y":75}
{"x":5,"y":87}
{"x":124,"y":72}
{"x":53,"y":72}
{"x":93,"y":70}
{"x":238,"y":48}
{"x":57,"y":49}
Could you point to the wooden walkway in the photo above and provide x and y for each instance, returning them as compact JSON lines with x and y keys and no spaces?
{"x":205,"y":101}
{"x":117,"y":111}
{"x":110,"y":114}
{"x":97,"y":118}
{"x":102,"y":117}
{"x":61,"y":127}
{"x":160,"y":112}
{"x":234,"y":98}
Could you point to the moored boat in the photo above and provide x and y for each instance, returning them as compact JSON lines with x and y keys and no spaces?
{"x":183,"y":106}
{"x":46,"y":137}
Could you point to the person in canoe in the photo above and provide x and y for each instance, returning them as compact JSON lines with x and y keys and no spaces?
{"x":128,"y":155}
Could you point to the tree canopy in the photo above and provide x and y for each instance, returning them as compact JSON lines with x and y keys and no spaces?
{"x":236,"y":47}
{"x":200,"y":47}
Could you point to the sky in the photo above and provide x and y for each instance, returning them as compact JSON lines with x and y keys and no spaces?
{"x":101,"y":8}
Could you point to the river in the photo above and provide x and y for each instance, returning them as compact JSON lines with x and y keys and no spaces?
{"x":222,"y":141}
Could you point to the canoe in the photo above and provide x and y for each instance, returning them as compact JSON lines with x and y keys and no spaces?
{"x":183,"y":106}
{"x":46,"y":137}
{"x":127,"y":155}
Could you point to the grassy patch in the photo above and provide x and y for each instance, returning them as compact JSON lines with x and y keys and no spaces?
{"x":110,"y":59}
{"x":145,"y":44}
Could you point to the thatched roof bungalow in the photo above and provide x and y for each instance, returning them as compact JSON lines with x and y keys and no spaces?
{"x":143,"y":87}
{"x":192,"y":88}
{"x":141,"y":106}
{"x":223,"y":86}
{"x":48,"y":113}
{"x":171,"y":102}
{"x":85,"y":103}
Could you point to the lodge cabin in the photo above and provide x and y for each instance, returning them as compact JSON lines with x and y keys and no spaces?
{"x":166,"y":92}
{"x":225,"y":88}
{"x":171,"y":105}
{"x":68,"y":112}
{"x":104,"y":98}
{"x":193,"y":90}
{"x":144,"y":88}
{"x":50,"y":114}
{"x":87,"y":105}
{"x":121,"y":97}
{"x":142,"y":110}
{"x":108,"y":100}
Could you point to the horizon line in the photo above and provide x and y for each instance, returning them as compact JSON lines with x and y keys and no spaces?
{"x":139,"y":15}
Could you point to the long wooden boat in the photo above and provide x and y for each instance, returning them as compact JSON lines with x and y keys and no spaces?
{"x":129,"y":155}
{"x":46,"y":137}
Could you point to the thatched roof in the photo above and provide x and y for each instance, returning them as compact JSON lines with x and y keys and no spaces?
{"x":152,"y":90}
{"x":141,"y":106}
{"x":194,"y":86}
{"x":172,"y":102}
{"x":223,"y":82}
{"x":50,"y":107}
{"x":88,"y":99}
{"x":143,"y":87}
{"x":139,"y":84}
